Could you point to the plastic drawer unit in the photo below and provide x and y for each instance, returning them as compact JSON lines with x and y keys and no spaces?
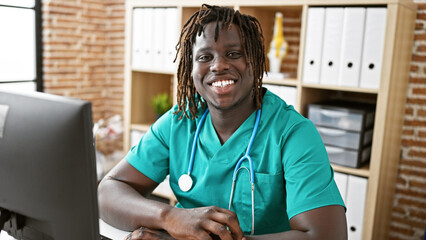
{"x":342,"y":115}
{"x":344,"y":138}
{"x":346,"y":129}
{"x":347,"y":157}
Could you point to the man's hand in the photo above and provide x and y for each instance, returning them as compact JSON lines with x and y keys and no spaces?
{"x":143,"y":233}
{"x":203,"y":223}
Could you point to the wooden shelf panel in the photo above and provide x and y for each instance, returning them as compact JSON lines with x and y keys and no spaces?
{"x":142,"y":70}
{"x":285,"y":82}
{"x":140,"y":127}
{"x":144,"y":86}
{"x":292,"y":21}
{"x":340,"y":88}
{"x":362,"y":172}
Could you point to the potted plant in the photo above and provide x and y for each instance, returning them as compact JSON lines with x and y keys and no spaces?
{"x":161,"y":103}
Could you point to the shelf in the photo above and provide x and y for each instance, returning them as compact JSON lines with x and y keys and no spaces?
{"x":286,"y":82}
{"x":362,"y":172}
{"x":141,"y":70}
{"x":340,"y":88}
{"x":292,"y":25}
{"x":140,"y":127}
{"x":389,"y":98}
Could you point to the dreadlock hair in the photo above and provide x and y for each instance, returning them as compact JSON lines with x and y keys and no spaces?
{"x":251,"y":37}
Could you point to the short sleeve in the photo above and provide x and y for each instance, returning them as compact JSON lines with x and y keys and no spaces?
{"x":151,"y":155}
{"x":307,"y":171}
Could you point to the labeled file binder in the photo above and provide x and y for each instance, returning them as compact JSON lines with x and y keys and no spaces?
{"x":355,"y":204}
{"x":137,"y":38}
{"x":372,"y":54}
{"x":155,"y":35}
{"x":147,"y":40}
{"x":286,"y":93}
{"x":352,"y":41}
{"x":158,"y":38}
{"x":330,"y":61}
{"x":170,"y":39}
{"x":313,"y":45}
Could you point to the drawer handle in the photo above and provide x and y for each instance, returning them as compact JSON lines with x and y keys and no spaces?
{"x":333,"y":150}
{"x":333,"y":114}
{"x":332,"y":132}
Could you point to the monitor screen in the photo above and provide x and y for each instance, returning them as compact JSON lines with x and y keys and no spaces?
{"x":48,"y":182}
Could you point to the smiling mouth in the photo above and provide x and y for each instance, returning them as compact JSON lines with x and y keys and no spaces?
{"x":222,"y":83}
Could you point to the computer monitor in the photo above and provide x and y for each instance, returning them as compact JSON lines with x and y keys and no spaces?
{"x":48,"y":181}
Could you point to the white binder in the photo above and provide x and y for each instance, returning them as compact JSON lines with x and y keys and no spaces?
{"x":355,"y":204}
{"x":352,"y":40}
{"x":372,"y":55}
{"x":313,"y":45}
{"x":137,"y":38}
{"x":330,"y":60}
{"x":170,"y":40}
{"x":158,"y":39}
{"x":341,"y":180}
{"x":147,"y":37}
{"x":286,"y":93}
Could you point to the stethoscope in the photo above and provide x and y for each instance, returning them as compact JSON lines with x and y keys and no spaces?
{"x":185,"y":181}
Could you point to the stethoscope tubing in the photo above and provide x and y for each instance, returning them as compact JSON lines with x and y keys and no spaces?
{"x":238,"y":165}
{"x":194,"y":143}
{"x":251,"y":172}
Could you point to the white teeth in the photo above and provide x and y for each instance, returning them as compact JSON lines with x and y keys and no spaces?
{"x":222,"y":83}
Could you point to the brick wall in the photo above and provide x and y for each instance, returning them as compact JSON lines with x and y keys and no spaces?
{"x":409,"y":211}
{"x":84,"y":58}
{"x":84,"y":52}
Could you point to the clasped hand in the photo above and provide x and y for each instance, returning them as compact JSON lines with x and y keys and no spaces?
{"x":197,"y":223}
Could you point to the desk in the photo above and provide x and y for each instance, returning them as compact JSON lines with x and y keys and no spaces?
{"x":111,"y":232}
{"x":5,"y":236}
{"x":104,"y":229}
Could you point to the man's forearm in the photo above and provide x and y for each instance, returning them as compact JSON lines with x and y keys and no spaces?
{"x":123,"y":207}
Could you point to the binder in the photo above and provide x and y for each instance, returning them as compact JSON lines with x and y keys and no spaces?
{"x":330,"y":60}
{"x":352,"y":40}
{"x":137,"y":38}
{"x":372,"y":54}
{"x":341,"y":180}
{"x":286,"y":93}
{"x":313,"y":45}
{"x":171,"y":38}
{"x":135,"y":137}
{"x":157,"y":38}
{"x":147,"y":37}
{"x":355,"y":204}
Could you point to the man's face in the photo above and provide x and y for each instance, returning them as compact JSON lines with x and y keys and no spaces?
{"x":220,"y":70}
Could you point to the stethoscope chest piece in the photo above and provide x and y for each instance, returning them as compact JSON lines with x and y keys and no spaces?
{"x":185,"y":182}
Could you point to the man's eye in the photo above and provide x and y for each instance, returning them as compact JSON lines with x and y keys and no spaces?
{"x":234,"y":54}
{"x":204,"y":58}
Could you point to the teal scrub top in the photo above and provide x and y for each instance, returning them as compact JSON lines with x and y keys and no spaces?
{"x":292,"y":170}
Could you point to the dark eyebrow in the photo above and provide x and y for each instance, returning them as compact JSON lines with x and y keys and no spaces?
{"x":234,"y":45}
{"x":231,"y":45}
{"x":204,"y":49}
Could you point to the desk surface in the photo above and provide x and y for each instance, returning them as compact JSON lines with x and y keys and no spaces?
{"x":111,"y":232}
{"x":5,"y":236}
{"x":104,"y":229}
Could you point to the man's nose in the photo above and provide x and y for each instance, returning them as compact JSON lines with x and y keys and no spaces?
{"x":219,"y":64}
